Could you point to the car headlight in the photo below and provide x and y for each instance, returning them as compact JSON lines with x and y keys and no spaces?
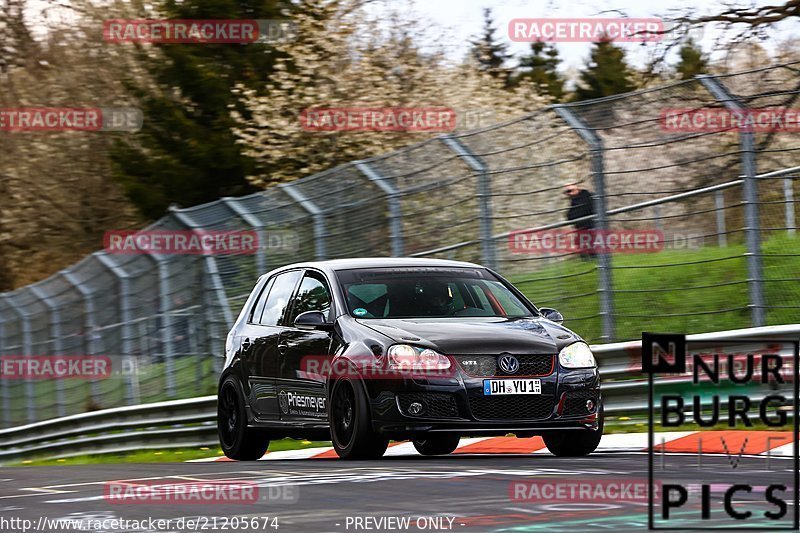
{"x":407,"y":357}
{"x":577,"y":355}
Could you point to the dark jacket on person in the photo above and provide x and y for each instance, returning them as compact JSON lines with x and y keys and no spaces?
{"x":581,"y":205}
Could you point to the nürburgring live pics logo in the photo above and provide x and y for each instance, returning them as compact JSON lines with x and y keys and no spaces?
{"x":730,"y":385}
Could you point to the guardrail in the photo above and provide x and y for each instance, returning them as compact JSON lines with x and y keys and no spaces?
{"x":192,"y":422}
{"x":178,"y":423}
{"x":622,"y":360}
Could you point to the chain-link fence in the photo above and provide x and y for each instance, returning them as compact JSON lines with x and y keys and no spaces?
{"x":714,"y":205}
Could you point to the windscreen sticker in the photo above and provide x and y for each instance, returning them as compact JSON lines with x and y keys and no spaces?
{"x":360,"y":311}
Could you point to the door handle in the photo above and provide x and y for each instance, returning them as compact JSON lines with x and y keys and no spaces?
{"x":283,"y":346}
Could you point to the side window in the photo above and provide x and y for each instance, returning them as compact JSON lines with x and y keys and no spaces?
{"x":506,"y":299}
{"x":313,"y":295}
{"x":278,"y":298}
{"x":458,"y":299}
{"x":255,"y":313}
{"x":482,"y":301}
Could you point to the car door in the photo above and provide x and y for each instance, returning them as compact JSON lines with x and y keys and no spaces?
{"x":266,"y":329}
{"x":250,"y":332}
{"x":304,"y":354}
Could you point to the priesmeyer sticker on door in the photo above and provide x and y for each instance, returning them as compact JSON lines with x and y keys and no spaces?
{"x":297,"y":404}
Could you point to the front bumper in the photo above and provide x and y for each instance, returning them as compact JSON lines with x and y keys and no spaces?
{"x":457,"y":404}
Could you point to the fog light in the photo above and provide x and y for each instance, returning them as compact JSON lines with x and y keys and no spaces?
{"x":415,"y":408}
{"x":589,"y":405}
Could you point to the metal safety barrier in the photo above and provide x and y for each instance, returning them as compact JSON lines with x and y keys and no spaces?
{"x":192,"y":422}
{"x":171,"y":424}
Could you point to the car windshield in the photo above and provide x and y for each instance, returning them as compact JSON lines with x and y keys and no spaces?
{"x":428,"y":292}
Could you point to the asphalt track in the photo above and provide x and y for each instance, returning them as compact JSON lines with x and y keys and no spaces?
{"x":329,"y":495}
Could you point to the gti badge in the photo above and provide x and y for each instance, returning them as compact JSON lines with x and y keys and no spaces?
{"x":509,"y":364}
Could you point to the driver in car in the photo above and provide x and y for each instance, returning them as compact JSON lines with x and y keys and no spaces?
{"x":435,"y":299}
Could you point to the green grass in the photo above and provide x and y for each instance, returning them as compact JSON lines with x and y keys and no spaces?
{"x":194,"y":376}
{"x":691,"y":291}
{"x":173,"y":455}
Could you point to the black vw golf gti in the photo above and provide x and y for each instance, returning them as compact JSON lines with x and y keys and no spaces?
{"x":361,"y":351}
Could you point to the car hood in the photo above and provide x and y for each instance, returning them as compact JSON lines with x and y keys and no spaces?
{"x":483,"y":335}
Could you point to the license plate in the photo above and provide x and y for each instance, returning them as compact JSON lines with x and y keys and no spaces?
{"x":493,"y":387}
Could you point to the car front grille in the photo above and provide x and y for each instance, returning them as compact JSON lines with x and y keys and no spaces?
{"x":575,"y":402}
{"x":434,"y":404}
{"x":512,"y":407}
{"x":485,"y":366}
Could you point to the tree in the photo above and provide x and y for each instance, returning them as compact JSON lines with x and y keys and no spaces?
{"x":733,"y":26}
{"x":540,"y":66}
{"x":490,"y":53}
{"x":342,"y":58}
{"x":14,"y":35}
{"x":753,"y":17}
{"x":56,"y":197}
{"x":186,"y":152}
{"x":692,"y":62}
{"x":606,"y":74}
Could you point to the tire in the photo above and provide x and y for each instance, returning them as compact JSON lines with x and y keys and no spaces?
{"x":575,"y":443}
{"x":437,"y":444}
{"x":238,"y":441}
{"x":349,"y":418}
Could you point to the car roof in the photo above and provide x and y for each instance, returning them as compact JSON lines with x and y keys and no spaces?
{"x":381,"y":262}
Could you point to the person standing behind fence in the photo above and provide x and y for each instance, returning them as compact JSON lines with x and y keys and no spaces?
{"x":581,"y":205}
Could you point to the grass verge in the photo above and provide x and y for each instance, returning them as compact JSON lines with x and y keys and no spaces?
{"x":174,"y":455}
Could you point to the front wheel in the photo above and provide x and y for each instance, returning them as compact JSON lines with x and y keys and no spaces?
{"x":437,"y":445}
{"x":351,"y":431}
{"x":238,"y":441}
{"x":575,"y":443}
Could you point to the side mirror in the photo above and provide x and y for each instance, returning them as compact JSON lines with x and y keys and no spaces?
{"x":551,"y":314}
{"x":312,"y":320}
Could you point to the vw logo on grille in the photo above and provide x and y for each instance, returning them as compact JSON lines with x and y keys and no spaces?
{"x":509,"y":364}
